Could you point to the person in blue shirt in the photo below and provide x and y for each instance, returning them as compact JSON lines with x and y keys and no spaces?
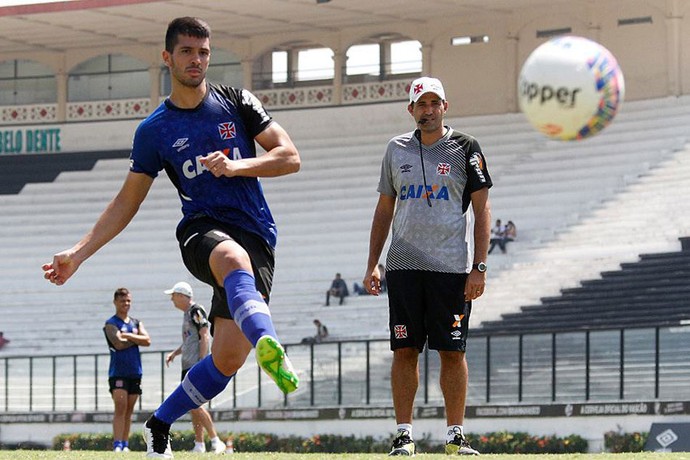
{"x":204,"y":136}
{"x":124,"y":335}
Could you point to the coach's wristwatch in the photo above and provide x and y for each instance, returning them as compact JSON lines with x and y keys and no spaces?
{"x":481,"y":267}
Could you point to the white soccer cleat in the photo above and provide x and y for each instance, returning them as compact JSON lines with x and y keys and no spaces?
{"x":157,"y":443}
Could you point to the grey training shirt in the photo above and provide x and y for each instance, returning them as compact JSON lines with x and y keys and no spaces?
{"x":194,"y":320}
{"x":435,"y":238}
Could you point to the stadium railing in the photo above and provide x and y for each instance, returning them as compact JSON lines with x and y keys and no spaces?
{"x":631,"y":364}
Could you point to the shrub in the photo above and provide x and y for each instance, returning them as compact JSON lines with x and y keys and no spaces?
{"x":490,"y":443}
{"x":179,"y":440}
{"x":617,"y":441}
{"x":504,"y":442}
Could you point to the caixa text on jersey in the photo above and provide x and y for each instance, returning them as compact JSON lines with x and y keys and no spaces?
{"x":434,"y":191}
{"x":193,"y":167}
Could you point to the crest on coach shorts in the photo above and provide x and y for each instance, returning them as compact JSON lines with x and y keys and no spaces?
{"x":400,"y":331}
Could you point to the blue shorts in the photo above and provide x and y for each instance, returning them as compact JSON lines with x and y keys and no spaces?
{"x":428,"y":307}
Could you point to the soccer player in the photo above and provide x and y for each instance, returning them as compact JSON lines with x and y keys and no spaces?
{"x":124,"y":335}
{"x":432,"y":181}
{"x":203,"y":136}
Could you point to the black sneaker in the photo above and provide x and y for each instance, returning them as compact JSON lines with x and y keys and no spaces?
{"x":157,"y":438}
{"x":459,"y":445}
{"x":402,"y":444}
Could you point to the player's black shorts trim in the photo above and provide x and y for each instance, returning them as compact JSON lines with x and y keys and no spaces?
{"x":428,"y":307}
{"x":131,"y":385}
{"x":197,"y":240}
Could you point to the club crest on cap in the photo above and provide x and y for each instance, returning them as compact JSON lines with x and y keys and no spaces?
{"x":425,"y":85}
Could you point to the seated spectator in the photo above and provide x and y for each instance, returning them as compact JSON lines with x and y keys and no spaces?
{"x":510,"y":233}
{"x":497,"y":237}
{"x":358,"y":289}
{"x":321,"y":333}
{"x":338,"y":289}
{"x":3,"y":340}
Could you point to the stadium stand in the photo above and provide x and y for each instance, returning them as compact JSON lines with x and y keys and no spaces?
{"x":581,"y":208}
{"x":45,"y":168}
{"x":651,"y":292}
{"x":643,"y":217}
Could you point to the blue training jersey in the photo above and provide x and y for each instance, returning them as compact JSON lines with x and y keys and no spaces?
{"x":174,"y":139}
{"x":124,"y":363}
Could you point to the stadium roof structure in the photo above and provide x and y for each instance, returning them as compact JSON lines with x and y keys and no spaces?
{"x":68,"y":25}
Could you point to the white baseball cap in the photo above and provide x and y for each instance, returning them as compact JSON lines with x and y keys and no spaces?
{"x":181,"y":288}
{"x":425,"y":85}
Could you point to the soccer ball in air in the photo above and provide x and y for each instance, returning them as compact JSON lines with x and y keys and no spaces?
{"x":570,"y":88}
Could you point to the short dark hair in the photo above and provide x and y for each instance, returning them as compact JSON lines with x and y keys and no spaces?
{"x":191,"y":27}
{"x":120,"y":292}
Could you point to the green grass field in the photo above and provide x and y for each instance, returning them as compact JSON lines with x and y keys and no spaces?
{"x":91,"y":455}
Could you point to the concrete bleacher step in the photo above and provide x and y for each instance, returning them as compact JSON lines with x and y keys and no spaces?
{"x":605,"y":291}
{"x":618,"y":305}
{"x":671,"y":261}
{"x":625,"y":300}
{"x":564,"y":323}
{"x":670,"y":276}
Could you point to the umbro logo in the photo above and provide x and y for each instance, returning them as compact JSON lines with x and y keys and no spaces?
{"x":406,"y":168}
{"x":181,"y":144}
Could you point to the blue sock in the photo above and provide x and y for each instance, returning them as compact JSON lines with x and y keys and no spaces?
{"x":202,"y":383}
{"x":117,"y":443}
{"x":125,"y":444}
{"x":247,"y":307}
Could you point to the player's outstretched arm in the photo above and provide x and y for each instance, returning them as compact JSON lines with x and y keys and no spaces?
{"x":112,"y":221}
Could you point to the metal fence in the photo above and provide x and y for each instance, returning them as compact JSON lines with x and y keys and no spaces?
{"x":599,"y":365}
